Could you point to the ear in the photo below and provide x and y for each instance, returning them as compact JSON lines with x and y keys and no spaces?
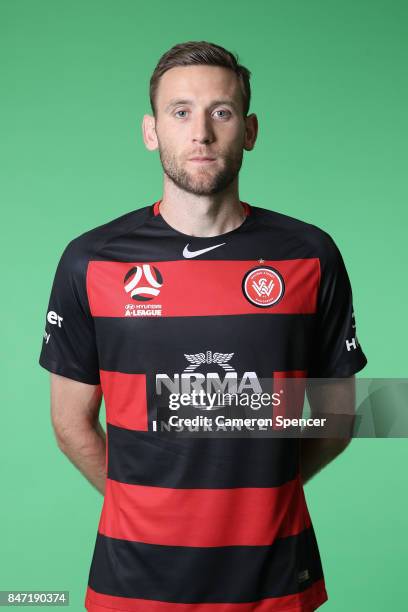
{"x":149,"y":132}
{"x":251,"y":131}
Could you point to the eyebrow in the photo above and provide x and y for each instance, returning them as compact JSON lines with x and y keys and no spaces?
{"x":175,"y":102}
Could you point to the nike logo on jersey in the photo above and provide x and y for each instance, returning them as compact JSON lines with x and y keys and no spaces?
{"x":188,"y":254}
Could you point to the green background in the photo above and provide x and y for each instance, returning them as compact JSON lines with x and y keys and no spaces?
{"x":330,"y":91}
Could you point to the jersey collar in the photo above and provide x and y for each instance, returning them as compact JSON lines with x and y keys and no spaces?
{"x":156,"y":208}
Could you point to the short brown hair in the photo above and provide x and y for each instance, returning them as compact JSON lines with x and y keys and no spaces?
{"x":205,"y":53}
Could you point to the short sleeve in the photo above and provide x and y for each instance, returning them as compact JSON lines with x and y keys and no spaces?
{"x":69,"y":343}
{"x":337,"y":351}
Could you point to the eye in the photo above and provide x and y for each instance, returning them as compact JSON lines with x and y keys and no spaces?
{"x":227,"y":113}
{"x":180,"y":111}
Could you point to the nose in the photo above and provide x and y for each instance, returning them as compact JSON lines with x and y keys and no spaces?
{"x":202,"y":131}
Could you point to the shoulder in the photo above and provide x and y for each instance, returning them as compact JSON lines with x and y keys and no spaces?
{"x":87,"y":245}
{"x":312,"y":239}
{"x":91,"y":241}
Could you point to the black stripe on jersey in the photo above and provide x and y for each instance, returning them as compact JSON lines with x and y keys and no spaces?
{"x":163,"y":348}
{"x":139,"y":457}
{"x":141,"y":236}
{"x":183,"y":574}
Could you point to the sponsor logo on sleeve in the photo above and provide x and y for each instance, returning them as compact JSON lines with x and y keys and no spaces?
{"x":352,"y":343}
{"x":54,"y":319}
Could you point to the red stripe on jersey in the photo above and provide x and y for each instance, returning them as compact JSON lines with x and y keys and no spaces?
{"x":195,"y":287}
{"x":125,"y":399}
{"x":156,"y":208}
{"x":306,"y":601}
{"x":291,"y":386}
{"x":242,"y":516}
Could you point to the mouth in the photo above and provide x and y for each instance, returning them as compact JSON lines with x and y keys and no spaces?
{"x":202,"y":160}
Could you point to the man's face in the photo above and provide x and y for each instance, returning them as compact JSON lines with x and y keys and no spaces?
{"x":199,"y":114}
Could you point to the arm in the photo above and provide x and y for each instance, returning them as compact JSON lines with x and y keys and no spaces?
{"x":75,"y":418}
{"x":336,"y":397}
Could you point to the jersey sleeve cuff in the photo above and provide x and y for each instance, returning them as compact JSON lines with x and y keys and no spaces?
{"x":343,"y":370}
{"x":69,"y":371}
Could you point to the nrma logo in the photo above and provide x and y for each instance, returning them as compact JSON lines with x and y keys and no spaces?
{"x":223,"y":378}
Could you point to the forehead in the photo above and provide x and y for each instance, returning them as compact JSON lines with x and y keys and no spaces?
{"x":198,"y":83}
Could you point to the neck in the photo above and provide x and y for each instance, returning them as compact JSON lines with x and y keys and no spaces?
{"x":201,"y":216}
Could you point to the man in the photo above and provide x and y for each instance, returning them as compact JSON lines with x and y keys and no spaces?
{"x":195,"y":287}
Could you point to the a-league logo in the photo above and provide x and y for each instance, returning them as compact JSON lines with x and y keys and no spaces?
{"x":143,"y":282}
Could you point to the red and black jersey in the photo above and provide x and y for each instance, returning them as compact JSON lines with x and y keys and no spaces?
{"x":200,"y":524}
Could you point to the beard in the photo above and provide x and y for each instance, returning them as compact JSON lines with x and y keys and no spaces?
{"x":204,"y":181}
